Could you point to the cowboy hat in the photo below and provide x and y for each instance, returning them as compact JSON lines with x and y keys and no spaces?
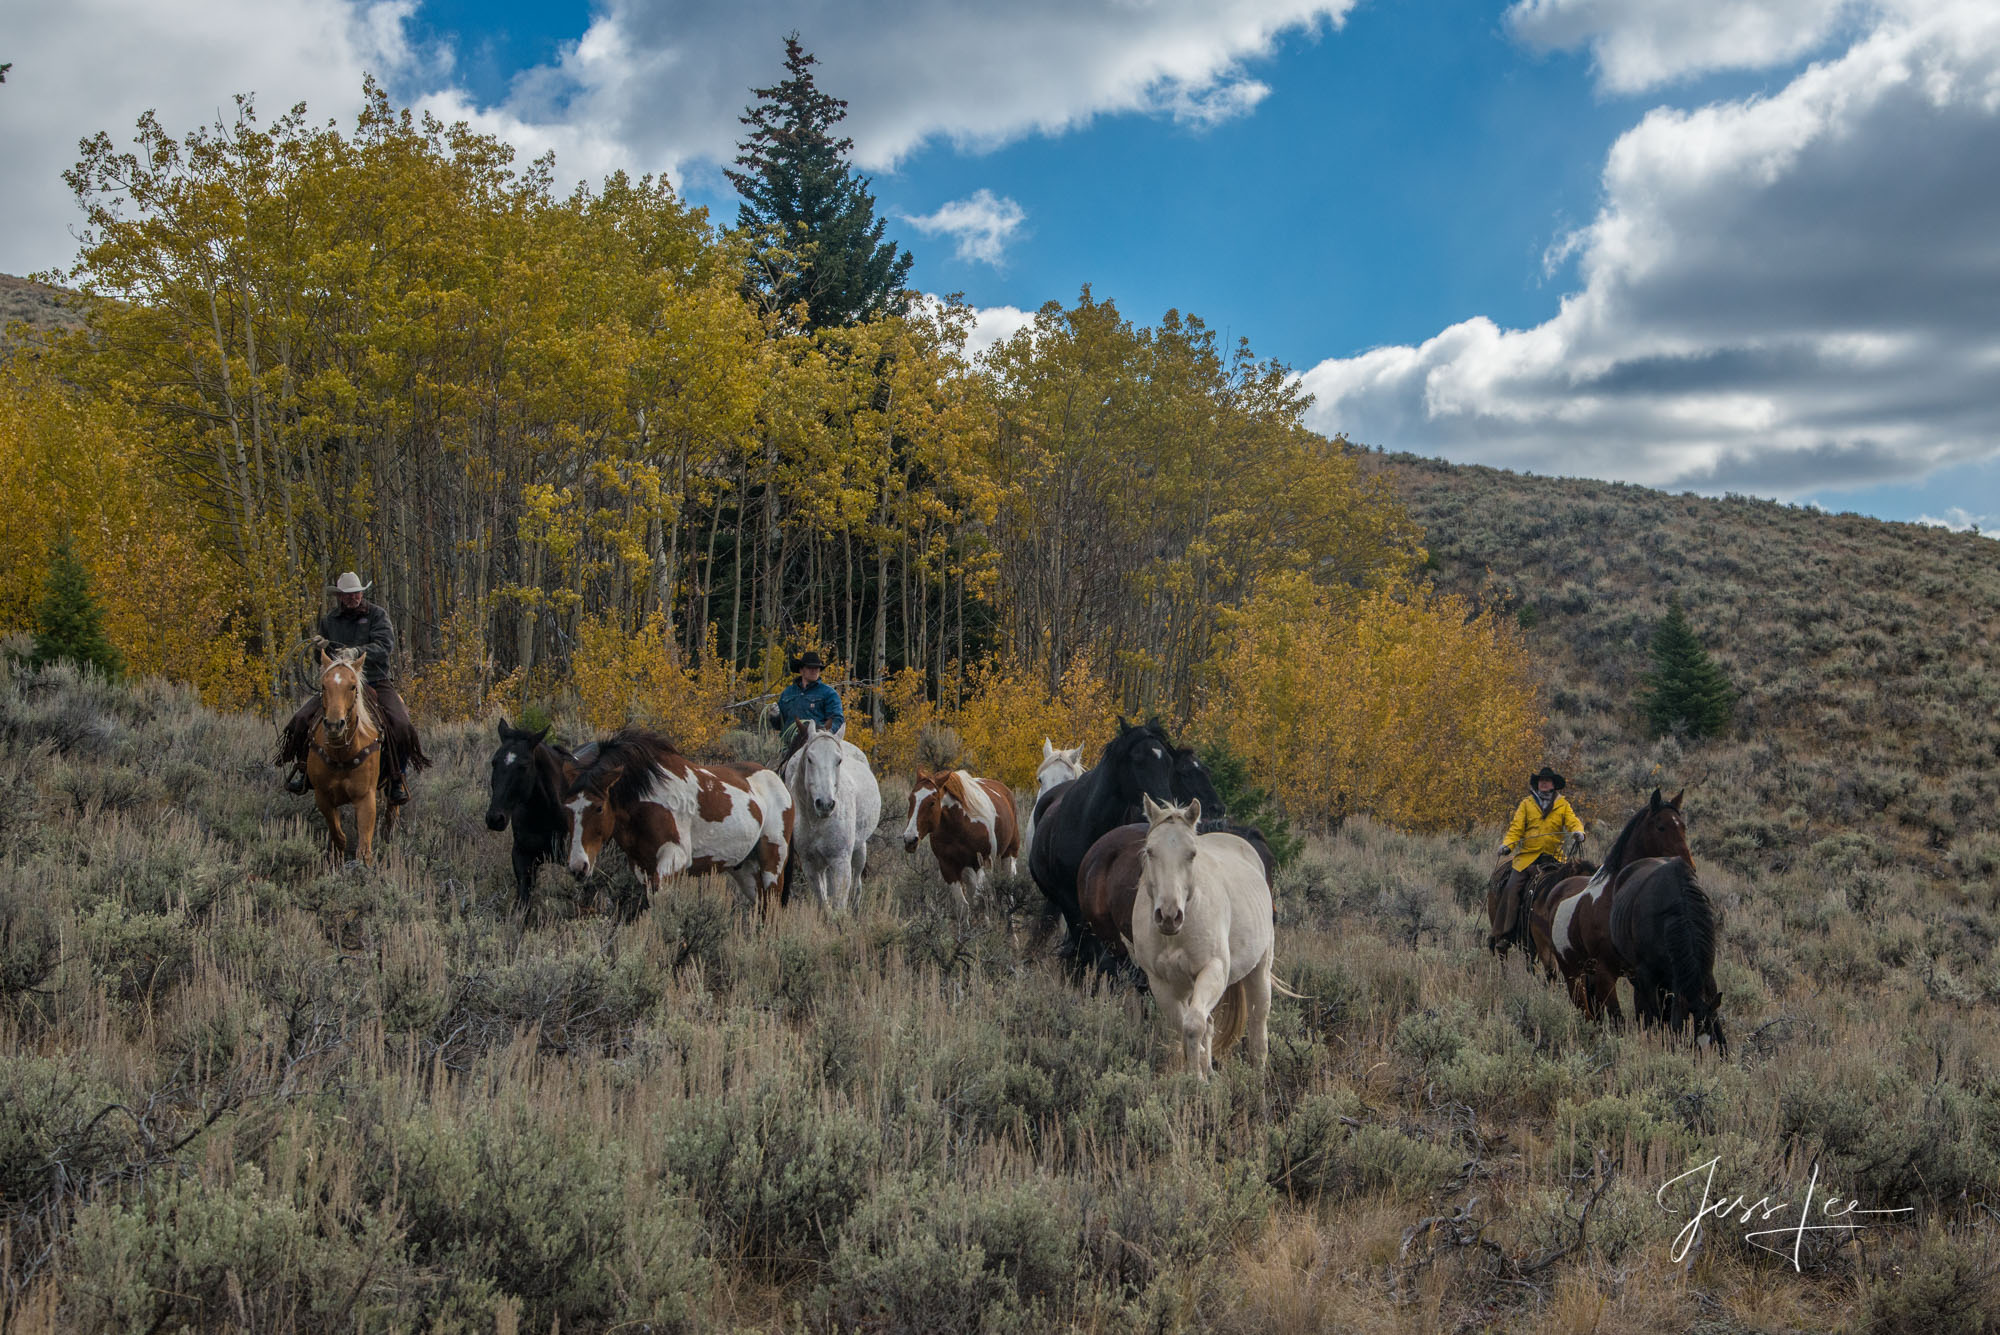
{"x":349,"y":582}
{"x":1534,"y":780}
{"x":809,"y":659}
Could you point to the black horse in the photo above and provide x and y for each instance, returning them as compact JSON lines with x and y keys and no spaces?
{"x":1663,"y":927}
{"x":1141,"y":761}
{"x":529,"y":776}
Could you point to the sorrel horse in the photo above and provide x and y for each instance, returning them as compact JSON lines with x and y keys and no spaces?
{"x":1057,"y":767}
{"x":529,"y":778}
{"x":1642,"y":916}
{"x":1140,"y":762}
{"x":671,"y":815}
{"x":970,"y":822}
{"x":344,"y":755}
{"x":1201,"y":929}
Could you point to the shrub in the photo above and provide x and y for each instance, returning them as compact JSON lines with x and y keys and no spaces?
{"x":923,"y":1255}
{"x":1314,"y":1153}
{"x":541,"y":1212}
{"x":184,"y":1254}
{"x":775,"y":1173}
{"x":1941,"y":1286}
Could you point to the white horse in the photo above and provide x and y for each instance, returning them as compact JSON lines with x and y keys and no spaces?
{"x":836,"y":805}
{"x":1056,"y":767}
{"x":1201,"y":929}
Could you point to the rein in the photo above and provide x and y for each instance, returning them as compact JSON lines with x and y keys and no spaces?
{"x":351,"y":761}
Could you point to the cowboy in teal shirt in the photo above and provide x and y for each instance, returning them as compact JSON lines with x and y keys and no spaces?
{"x":808,"y":698}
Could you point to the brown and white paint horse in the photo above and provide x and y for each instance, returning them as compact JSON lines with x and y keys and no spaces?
{"x":971,"y":823}
{"x":671,"y":816}
{"x":1642,"y":916}
{"x":344,"y":754}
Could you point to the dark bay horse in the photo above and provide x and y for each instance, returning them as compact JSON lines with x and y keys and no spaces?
{"x":1642,"y":916}
{"x":1140,"y":762}
{"x":529,"y":778}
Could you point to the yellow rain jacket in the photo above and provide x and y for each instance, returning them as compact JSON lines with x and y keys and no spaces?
{"x":1531,"y":834}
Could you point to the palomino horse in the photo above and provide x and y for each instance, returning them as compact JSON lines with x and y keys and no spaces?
{"x":1107,"y":885}
{"x":971,"y":825}
{"x":529,"y":778}
{"x":1643,"y":916}
{"x":1202,"y":931}
{"x":344,"y":754}
{"x":1140,"y":762}
{"x":671,"y":815}
{"x":838,"y":804}
{"x":1057,"y":767}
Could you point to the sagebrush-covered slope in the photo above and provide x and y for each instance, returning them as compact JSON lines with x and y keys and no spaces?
{"x":1868,"y":654}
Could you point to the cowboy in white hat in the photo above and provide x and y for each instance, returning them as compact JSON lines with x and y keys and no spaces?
{"x":356,"y":623}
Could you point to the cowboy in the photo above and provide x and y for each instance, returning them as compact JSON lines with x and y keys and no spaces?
{"x":1544,"y":831}
{"x":807,"y":698}
{"x":356,"y":623}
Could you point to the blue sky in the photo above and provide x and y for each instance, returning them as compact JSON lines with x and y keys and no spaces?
{"x":1644,"y":239}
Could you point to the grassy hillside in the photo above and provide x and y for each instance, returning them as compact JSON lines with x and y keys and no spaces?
{"x":1868,"y":654}
{"x":241,"y":1090}
{"x":40,"y":306}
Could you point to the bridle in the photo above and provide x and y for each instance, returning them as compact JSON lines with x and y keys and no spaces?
{"x":349,"y":762}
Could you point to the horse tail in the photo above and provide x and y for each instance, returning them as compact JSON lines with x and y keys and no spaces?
{"x":1279,"y":987}
{"x":1230,"y":1017}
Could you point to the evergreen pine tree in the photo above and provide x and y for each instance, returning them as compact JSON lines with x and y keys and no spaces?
{"x":68,"y":623}
{"x":799,"y":190}
{"x":1685,"y":689}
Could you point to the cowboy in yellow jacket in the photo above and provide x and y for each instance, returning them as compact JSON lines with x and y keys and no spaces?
{"x":1542,"y":824}
{"x":1545,"y":829}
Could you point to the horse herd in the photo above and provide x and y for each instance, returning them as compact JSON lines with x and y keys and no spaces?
{"x":1135,"y":853}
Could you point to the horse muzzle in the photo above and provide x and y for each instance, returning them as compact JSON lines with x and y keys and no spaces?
{"x":496,"y":820}
{"x":579,"y":864}
{"x":824,"y":806}
{"x":910,"y":845}
{"x":1169,"y":923}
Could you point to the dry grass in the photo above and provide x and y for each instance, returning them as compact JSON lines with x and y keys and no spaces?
{"x":240,"y":1090}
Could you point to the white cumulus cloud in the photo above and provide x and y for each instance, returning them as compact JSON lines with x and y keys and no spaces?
{"x":650,"y":86}
{"x":1641,"y":44}
{"x":982,"y":224}
{"x":1778,"y":294}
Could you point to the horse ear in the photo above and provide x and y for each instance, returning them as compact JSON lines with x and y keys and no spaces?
{"x":504,"y":728}
{"x":1153,"y":810}
{"x":1194,"y":811}
{"x":806,"y":728}
{"x":1654,"y":805}
{"x":1676,"y":803}
{"x":325,"y":659}
{"x":1047,"y":750}
{"x":543,"y":735}
{"x":1123,"y":726}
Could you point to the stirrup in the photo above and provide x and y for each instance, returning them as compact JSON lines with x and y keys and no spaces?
{"x":296,"y":782}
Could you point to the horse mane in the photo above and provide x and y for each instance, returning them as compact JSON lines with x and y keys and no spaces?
{"x":1616,"y":856}
{"x":1692,"y":951}
{"x":638,"y":751}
